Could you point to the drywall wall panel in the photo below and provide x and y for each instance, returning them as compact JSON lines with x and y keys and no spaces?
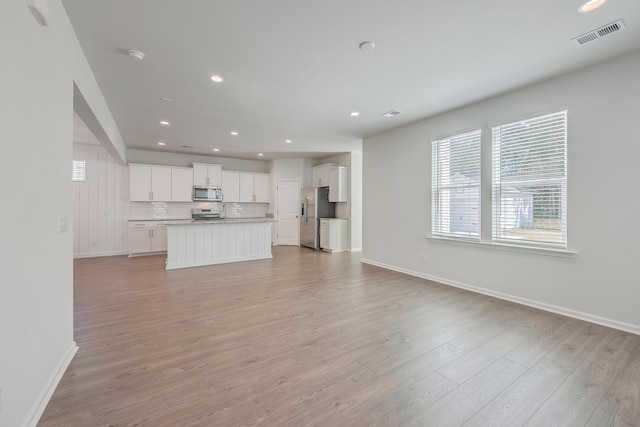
{"x":600,"y":283}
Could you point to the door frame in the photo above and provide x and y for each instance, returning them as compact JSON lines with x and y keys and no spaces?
{"x":277,"y":215}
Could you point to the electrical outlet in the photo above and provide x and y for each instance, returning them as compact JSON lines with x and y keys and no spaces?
{"x":94,"y":243}
{"x":423,"y":257}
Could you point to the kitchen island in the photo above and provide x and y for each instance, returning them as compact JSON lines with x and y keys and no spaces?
{"x":218,"y":241}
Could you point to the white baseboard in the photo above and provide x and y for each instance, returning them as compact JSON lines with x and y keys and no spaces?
{"x":611,"y":323}
{"x":99,"y":254}
{"x":45,"y":395}
{"x":356,"y":249}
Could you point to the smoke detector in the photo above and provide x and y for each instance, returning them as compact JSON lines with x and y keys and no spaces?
{"x":136,"y":54}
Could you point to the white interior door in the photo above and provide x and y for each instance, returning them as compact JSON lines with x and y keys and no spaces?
{"x":288,"y":206}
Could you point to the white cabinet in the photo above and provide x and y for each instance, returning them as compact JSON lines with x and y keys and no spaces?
{"x":254,"y":187}
{"x":149,"y":183}
{"x":230,"y":186}
{"x":246,"y":187}
{"x":207,"y":175}
{"x":333,"y":234}
{"x":147,"y":237}
{"x":262,"y":187}
{"x":339,"y":184}
{"x":320,"y":175}
{"x":181,"y":184}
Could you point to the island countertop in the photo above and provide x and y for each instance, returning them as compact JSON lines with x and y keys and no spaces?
{"x":223,"y":221}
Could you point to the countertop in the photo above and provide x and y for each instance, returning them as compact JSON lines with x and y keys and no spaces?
{"x":224,"y":221}
{"x":161,"y":220}
{"x":189,"y":221}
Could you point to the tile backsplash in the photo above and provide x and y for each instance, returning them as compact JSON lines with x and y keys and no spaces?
{"x":164,"y":210}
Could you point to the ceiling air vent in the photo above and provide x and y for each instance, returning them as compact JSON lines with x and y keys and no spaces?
{"x":390,"y":113}
{"x":187,"y":146}
{"x":599,"y":33}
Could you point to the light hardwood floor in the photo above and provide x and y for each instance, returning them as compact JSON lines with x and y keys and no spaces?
{"x":311,"y":338}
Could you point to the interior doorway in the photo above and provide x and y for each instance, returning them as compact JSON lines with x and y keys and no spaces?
{"x":288,"y":212}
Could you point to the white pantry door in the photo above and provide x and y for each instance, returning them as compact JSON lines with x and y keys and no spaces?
{"x":288,"y":205}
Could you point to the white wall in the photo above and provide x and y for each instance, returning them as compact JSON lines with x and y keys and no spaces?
{"x":601,"y":283}
{"x":39,"y":68}
{"x":100,"y":205}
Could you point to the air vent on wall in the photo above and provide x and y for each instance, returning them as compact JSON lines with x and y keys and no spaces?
{"x":599,"y":33}
{"x":187,"y":146}
{"x":390,"y":113}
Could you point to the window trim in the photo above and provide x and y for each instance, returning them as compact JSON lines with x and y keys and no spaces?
{"x":538,"y":250}
{"x":562,"y":181}
{"x":434,"y":207}
{"x":486,"y":235}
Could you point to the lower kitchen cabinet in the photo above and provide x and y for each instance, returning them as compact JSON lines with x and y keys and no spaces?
{"x":334,"y":234}
{"x":147,"y":237}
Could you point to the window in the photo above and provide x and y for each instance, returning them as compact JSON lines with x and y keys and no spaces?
{"x":530,"y":181}
{"x":79,"y":171}
{"x":455,"y":186}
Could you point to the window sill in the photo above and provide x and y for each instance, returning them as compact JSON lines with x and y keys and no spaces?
{"x":561,"y":253}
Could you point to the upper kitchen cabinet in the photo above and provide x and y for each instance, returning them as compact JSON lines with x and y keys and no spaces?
{"x":181,"y":184}
{"x":207,"y":175}
{"x":339,"y":184}
{"x":320,"y":175}
{"x":262,"y":187}
{"x":230,"y":186}
{"x":149,"y":183}
{"x":254,"y":187}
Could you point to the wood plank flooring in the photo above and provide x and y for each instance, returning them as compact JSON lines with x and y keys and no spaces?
{"x":316,"y":339}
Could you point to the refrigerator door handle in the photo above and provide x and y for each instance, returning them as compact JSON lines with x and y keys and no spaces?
{"x":305,"y":210}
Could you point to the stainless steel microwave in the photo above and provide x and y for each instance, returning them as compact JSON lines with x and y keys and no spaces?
{"x":207,"y":194}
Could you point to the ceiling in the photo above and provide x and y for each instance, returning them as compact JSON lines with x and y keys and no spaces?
{"x":292,"y":69}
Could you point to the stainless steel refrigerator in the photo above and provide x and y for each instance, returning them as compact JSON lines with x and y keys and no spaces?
{"x":315,"y":205}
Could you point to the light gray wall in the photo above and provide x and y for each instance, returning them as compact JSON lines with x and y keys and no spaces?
{"x":601,"y":283}
{"x":39,"y":68}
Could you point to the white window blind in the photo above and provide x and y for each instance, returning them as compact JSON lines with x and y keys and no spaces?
{"x":530,"y":181}
{"x":79,"y":171}
{"x":455,"y":186}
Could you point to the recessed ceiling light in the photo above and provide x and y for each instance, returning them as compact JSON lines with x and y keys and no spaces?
{"x":590,"y":5}
{"x":163,"y":99}
{"x":161,"y":143}
{"x":216,"y":149}
{"x":164,"y":122}
{"x":234,"y":133}
{"x":217,"y":79}
{"x":287,"y":141}
{"x":355,"y":114}
{"x":367,"y":45}
{"x":260,"y":154}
